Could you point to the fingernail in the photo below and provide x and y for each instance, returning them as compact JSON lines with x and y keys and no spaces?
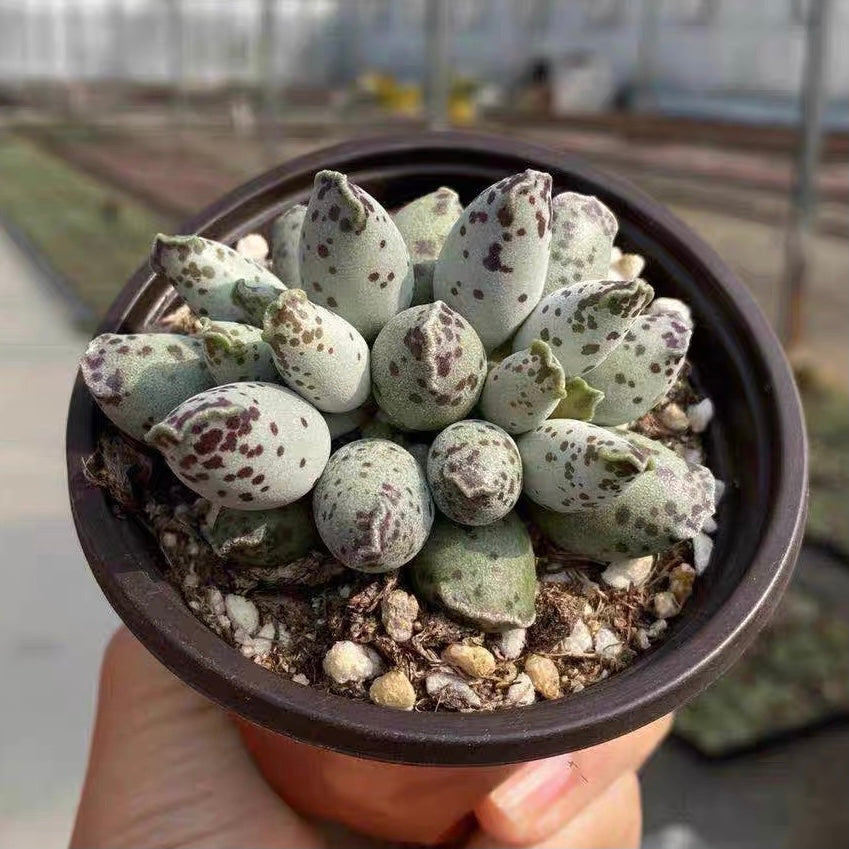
{"x":534,"y":787}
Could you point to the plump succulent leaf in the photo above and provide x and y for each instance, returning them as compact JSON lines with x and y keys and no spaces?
{"x":205,"y":273}
{"x":425,"y":223}
{"x":523,"y":390}
{"x":664,"y":505}
{"x":580,"y":401}
{"x":264,"y":537}
{"x":485,"y":575}
{"x":249,"y":446}
{"x":583,"y":230}
{"x":353,"y":260}
{"x":428,"y":367}
{"x":138,"y":378}
{"x":493,"y":264}
{"x":572,"y":465}
{"x":317,"y":353}
{"x":372,"y":506}
{"x":235,"y":352}
{"x":671,"y":306}
{"x":254,"y":298}
{"x":475,"y":472}
{"x":285,"y":244}
{"x":583,"y":323}
{"x":642,"y":369}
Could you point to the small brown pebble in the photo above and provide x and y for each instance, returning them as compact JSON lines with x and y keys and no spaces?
{"x":393,"y":690}
{"x":475,"y":661}
{"x":681,"y":580}
{"x":665,"y":606}
{"x":543,"y":673}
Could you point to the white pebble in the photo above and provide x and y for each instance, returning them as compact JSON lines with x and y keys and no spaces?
{"x":215,"y":601}
{"x":253,"y":246}
{"x":169,"y":539}
{"x":347,"y":661}
{"x":512,"y":642}
{"x":543,"y":672}
{"x":700,"y":415}
{"x":442,"y":683}
{"x":398,"y":612}
{"x":709,"y":526}
{"x":608,"y":646}
{"x":674,"y":418}
{"x":300,"y":678}
{"x":642,"y":639}
{"x":665,"y":606}
{"x":579,"y":641}
{"x":656,"y":628}
{"x":521,"y":692}
{"x":242,"y":612}
{"x":702,"y":550}
{"x":628,"y":573}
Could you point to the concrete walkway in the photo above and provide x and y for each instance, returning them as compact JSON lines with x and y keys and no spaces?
{"x":53,"y":620}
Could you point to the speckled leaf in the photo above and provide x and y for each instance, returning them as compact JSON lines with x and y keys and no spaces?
{"x":493,"y":264}
{"x":235,"y":352}
{"x":580,"y":401}
{"x":254,"y":298}
{"x":642,"y":369}
{"x":664,"y":505}
{"x":583,"y":323}
{"x":475,"y":472}
{"x":523,"y":390}
{"x":428,"y":367}
{"x":264,"y":537}
{"x":372,"y":506}
{"x":671,"y":306}
{"x":205,"y":272}
{"x":353,"y":260}
{"x":424,"y":223}
{"x":249,"y":446}
{"x":285,"y":244}
{"x":138,"y":378}
{"x":485,"y":575}
{"x":318,"y":353}
{"x":583,"y":230}
{"x":572,"y":465}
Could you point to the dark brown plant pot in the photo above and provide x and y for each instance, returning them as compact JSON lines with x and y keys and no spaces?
{"x":756,"y":445}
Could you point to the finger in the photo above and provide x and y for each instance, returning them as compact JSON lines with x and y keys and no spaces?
{"x":542,"y":797}
{"x":167,"y":768}
{"x":613,"y":820}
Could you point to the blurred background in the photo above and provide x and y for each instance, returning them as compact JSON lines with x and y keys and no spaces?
{"x":119,"y":118}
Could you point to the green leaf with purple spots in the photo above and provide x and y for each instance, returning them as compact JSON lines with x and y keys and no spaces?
{"x":317,"y":353}
{"x":572,"y":465}
{"x":235,"y":352}
{"x":205,"y":272}
{"x":428,"y":367}
{"x":580,"y":401}
{"x":372,"y":506}
{"x":475,"y":472}
{"x":254,"y":299}
{"x":425,"y":223}
{"x":583,"y":231}
{"x":249,"y":446}
{"x":493,"y":264}
{"x":285,"y":244}
{"x":523,"y":390}
{"x":642,"y":369}
{"x":138,"y":378}
{"x":583,"y":323}
{"x":485,"y":575}
{"x":353,"y":260}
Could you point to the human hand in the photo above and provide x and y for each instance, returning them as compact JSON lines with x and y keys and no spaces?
{"x":168,"y":768}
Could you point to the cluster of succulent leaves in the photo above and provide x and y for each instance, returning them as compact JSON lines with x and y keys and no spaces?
{"x":481,"y":354}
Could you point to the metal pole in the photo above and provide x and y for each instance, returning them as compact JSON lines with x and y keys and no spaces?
{"x":803,"y":200}
{"x":437,"y":58}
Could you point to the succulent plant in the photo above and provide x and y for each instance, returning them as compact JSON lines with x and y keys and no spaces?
{"x":254,"y":298}
{"x":285,"y":244}
{"x":475,"y":472}
{"x":583,"y":323}
{"x":428,"y":367}
{"x":317,"y":353}
{"x":425,"y":223}
{"x":572,"y":465}
{"x":235,"y":352}
{"x":583,"y":229}
{"x":486,"y":575}
{"x":372,"y":505}
{"x":669,"y":502}
{"x":524,"y":389}
{"x":249,"y":446}
{"x":138,"y":378}
{"x":493,"y":264}
{"x":205,"y":272}
{"x":264,"y":537}
{"x":353,"y":260}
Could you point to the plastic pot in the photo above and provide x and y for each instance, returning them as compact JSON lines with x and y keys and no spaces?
{"x":756,"y":445}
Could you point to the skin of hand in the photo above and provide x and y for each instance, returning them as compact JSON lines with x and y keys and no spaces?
{"x":169,"y":768}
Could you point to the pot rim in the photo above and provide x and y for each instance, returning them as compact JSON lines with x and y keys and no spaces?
{"x":158,"y":617}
